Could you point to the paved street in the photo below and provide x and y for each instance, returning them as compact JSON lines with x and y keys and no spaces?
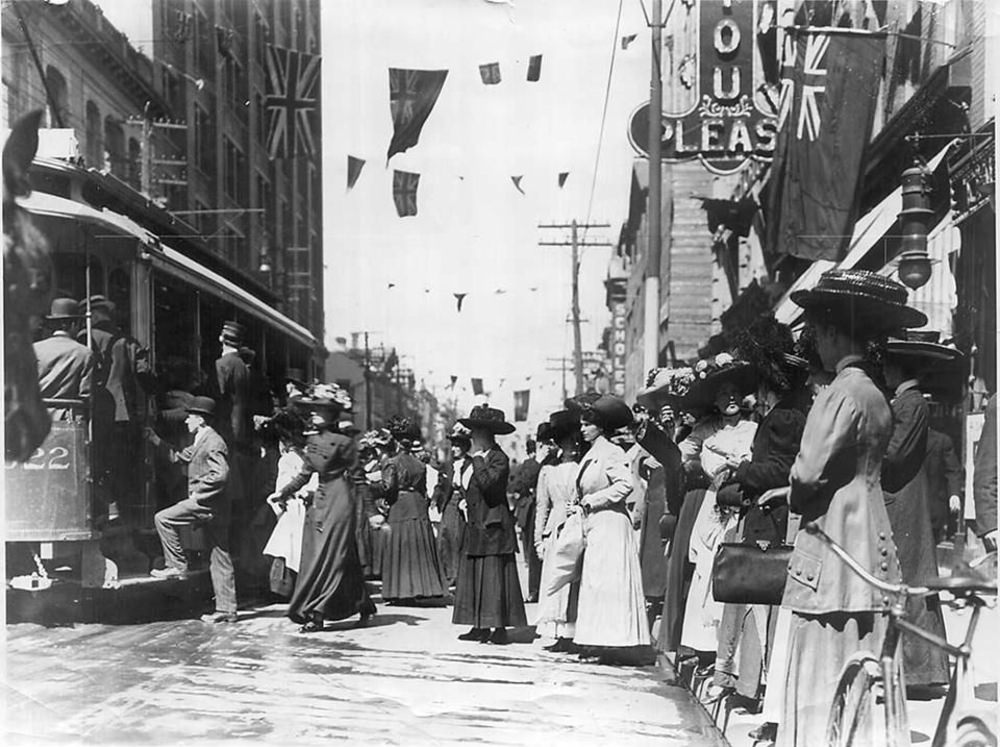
{"x":403,"y":680}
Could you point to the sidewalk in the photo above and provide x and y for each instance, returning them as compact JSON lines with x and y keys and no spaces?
{"x":923,"y":714}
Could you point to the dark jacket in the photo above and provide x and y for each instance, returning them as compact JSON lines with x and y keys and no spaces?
{"x":65,"y":370}
{"x":984,"y":480}
{"x":944,"y":475}
{"x":490,"y":529}
{"x":207,"y":468}
{"x":233,"y":405}
{"x":904,"y":456}
{"x":522,"y":484}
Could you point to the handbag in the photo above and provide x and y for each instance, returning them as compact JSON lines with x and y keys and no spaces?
{"x":566,"y":554}
{"x":745,"y":573}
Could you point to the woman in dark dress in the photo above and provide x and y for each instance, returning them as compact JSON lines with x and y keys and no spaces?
{"x":410,"y":567}
{"x":448,"y":498}
{"x":330,"y":584}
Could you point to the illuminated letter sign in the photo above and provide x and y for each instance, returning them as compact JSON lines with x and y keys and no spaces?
{"x":718,"y":104}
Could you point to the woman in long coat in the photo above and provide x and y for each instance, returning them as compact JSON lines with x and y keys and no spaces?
{"x":556,"y":497}
{"x":448,"y":498}
{"x":612,"y":609}
{"x":907,"y":500}
{"x":410,"y":566}
{"x":330,"y":583}
{"x":488,"y":590}
{"x":835,"y":482}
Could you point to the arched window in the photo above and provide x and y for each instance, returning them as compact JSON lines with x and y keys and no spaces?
{"x":114,"y":148}
{"x":58,"y":109}
{"x":94,"y":152}
{"x":134,"y":166}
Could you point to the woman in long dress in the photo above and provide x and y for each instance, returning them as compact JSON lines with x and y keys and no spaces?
{"x":330,"y":583}
{"x":612,"y":609}
{"x":448,"y":498}
{"x":410,"y":567}
{"x":556,"y":498}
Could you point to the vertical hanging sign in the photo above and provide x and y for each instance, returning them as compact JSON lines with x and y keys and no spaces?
{"x":720,"y":102}
{"x":618,"y":348}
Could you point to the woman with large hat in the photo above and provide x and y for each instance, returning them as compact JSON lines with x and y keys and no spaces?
{"x":449,"y":499}
{"x":410,"y":565}
{"x":835,"y":483}
{"x":488,"y":591}
{"x":611,"y":614}
{"x":909,"y":358}
{"x":330,"y":583}
{"x":555,"y":498}
{"x":718,"y":442}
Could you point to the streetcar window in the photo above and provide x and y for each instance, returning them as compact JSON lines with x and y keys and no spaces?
{"x":120,"y":294}
{"x":71,"y":275}
{"x":175,"y":319}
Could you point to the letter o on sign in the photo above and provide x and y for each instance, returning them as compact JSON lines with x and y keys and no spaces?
{"x":727,"y":36}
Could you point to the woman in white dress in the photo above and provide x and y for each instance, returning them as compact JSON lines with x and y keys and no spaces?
{"x":720,"y":442}
{"x":612,"y":608}
{"x":556,"y":498}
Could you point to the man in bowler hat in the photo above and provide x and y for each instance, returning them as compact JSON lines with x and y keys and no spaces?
{"x":206,"y":505}
{"x":65,"y":367}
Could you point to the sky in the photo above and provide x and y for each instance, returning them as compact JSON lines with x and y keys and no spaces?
{"x":474,"y":232}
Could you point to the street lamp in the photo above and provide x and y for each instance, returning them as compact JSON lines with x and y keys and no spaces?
{"x":914,"y":268}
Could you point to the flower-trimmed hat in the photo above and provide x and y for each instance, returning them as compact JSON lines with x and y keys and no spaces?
{"x":712,"y":373}
{"x":489,"y":419}
{"x":768,"y":346}
{"x":608,"y":412}
{"x":866,"y":298}
{"x":460,"y":435}
{"x":665,"y":386}
{"x":323,"y":397}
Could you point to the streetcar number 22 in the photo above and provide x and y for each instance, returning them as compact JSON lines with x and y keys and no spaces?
{"x":56,"y":458}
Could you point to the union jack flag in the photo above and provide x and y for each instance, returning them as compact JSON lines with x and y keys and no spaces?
{"x":292,"y":77}
{"x":412,"y":95}
{"x":404,"y":192}
{"x":812,"y":80}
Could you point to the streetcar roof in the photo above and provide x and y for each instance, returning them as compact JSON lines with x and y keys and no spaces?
{"x":45,"y":204}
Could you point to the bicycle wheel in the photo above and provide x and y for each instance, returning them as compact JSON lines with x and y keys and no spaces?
{"x":855,"y":717}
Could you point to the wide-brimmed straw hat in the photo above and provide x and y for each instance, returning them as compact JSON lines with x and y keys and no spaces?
{"x":711,"y":373}
{"x":489,"y":419}
{"x":920,"y":345}
{"x":665,"y":386}
{"x":608,"y":411}
{"x":867,"y":299}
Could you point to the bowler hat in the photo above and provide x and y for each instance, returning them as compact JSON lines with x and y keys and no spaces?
{"x":201,"y":406}
{"x":63,"y":308}
{"x":234,"y":333}
{"x":865,"y":298}
{"x":489,"y":419}
{"x":609,"y":412}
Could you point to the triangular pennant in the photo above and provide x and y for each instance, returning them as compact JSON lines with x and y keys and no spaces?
{"x":563,"y":176}
{"x":459,"y":297}
{"x":454,"y":380}
{"x":354,"y":166}
{"x":412,"y":95}
{"x":490,"y":73}
{"x":404,"y":192}
{"x":517,"y":183}
{"x":535,"y":68}
{"x":628,"y":39}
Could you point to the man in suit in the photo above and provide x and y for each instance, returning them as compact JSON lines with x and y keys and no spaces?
{"x":488,"y":591}
{"x":984,"y":480}
{"x":65,"y":367}
{"x":944,"y":478}
{"x":207,"y":505}
{"x":522,"y":486}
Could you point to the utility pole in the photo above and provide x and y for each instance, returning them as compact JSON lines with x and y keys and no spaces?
{"x":651,"y":315}
{"x":576,"y":245}
{"x":368,"y":385}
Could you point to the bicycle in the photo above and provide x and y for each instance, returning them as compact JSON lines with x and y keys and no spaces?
{"x":869,"y":681}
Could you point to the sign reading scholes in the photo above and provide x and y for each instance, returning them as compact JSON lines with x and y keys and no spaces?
{"x":618,"y":348}
{"x":720,"y":84}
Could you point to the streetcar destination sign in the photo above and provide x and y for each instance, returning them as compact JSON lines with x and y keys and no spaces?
{"x":718,"y":103}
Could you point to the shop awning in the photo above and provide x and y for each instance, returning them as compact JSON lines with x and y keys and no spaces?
{"x":867,"y":231}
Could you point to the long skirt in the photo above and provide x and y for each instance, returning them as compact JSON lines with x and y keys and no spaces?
{"x":410,"y":566}
{"x":488,"y":593}
{"x":330,"y":581}
{"x":558,"y":610}
{"x":745,"y":637}
{"x":451,"y":533}
{"x":612,"y":608}
{"x":679,"y":572}
{"x":702,"y":614}
{"x":820,"y":646}
{"x":651,"y":545}
{"x":380,"y":541}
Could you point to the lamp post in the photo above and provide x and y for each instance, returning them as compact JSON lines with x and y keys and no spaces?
{"x":914,"y":268}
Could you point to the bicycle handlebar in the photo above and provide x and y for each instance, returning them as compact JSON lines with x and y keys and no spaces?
{"x":813,"y":528}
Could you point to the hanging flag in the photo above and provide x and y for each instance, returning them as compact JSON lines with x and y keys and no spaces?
{"x":477,"y":386}
{"x":825,"y":113}
{"x":412,"y":95}
{"x":490,"y":73}
{"x":628,"y":39}
{"x":292,"y":77}
{"x":459,"y":297}
{"x":354,"y":166}
{"x":517,"y":183}
{"x":563,"y":176}
{"x":521,"y":400}
{"x":404,"y":192}
{"x":535,"y":68}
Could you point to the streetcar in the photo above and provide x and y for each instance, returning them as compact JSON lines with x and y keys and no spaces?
{"x":171,"y":297}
